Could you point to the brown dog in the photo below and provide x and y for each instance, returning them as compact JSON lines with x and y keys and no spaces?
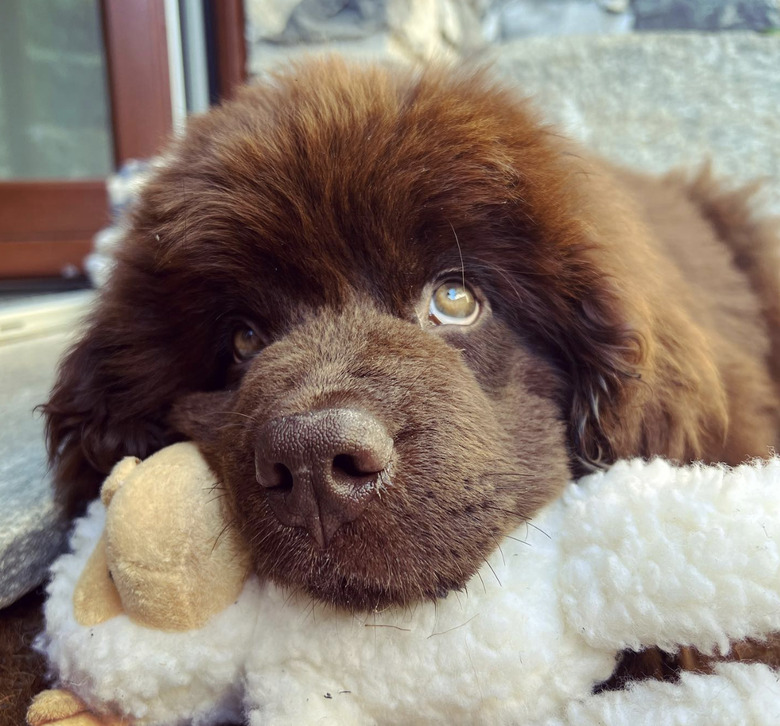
{"x":397,"y":314}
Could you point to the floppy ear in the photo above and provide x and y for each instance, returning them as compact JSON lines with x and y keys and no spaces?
{"x":643,"y":370}
{"x":108,"y":402}
{"x":639,"y":372}
{"x":612,"y":310}
{"x":641,"y":384}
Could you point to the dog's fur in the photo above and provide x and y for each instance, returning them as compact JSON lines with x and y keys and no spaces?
{"x":621,"y":316}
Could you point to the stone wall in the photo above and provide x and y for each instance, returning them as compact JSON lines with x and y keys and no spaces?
{"x":420,"y":29}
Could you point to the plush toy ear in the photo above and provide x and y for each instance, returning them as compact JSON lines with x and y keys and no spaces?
{"x":117,"y":478}
{"x":174,"y":554}
{"x":95,"y":597}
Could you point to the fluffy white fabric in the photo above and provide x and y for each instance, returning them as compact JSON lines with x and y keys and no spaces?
{"x":645,"y":553}
{"x":154,"y":676}
{"x":736,"y":695}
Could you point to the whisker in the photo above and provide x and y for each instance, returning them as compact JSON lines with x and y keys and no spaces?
{"x":309,"y":611}
{"x":524,"y":517}
{"x":508,"y":474}
{"x":455,"y":627}
{"x":529,"y":523}
{"x":509,"y":281}
{"x":382,"y":625}
{"x":494,"y":572}
{"x":479,"y":575}
{"x":222,"y":427}
{"x":238,"y":413}
{"x":227,"y":526}
{"x":457,"y":597}
{"x":460,"y":254}
{"x":476,"y":675}
{"x":519,"y":515}
{"x":217,"y":498}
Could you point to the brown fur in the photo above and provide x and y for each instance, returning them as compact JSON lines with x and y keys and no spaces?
{"x":624,"y":316}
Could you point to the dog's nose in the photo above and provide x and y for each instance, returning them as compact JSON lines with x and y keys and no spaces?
{"x":321,"y":469}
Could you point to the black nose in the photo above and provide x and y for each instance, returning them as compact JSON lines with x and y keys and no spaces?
{"x":321,"y":469}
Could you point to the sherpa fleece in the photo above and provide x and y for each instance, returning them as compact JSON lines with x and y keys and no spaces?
{"x":642,"y":554}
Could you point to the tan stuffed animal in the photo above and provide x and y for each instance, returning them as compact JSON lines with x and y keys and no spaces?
{"x":167,"y":558}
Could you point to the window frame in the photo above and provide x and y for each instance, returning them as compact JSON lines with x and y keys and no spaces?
{"x":47,"y":226}
{"x":230,"y":31}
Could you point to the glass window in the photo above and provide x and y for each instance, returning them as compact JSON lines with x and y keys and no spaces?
{"x":54,"y":111}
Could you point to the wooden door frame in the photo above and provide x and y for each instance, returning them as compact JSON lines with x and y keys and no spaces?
{"x":138,"y":72}
{"x":46,"y":227}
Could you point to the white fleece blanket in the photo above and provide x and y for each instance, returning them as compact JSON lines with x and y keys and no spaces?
{"x":643,"y":554}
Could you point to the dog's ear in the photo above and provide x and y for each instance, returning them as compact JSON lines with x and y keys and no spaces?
{"x":643,"y":381}
{"x":592,"y":288}
{"x":639,"y":372}
{"x":106,"y":403}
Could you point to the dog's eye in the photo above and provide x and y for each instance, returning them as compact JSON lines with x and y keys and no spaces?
{"x":452,"y":303}
{"x":246,"y":342}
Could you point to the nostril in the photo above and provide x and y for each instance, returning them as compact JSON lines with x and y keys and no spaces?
{"x":346,"y":464}
{"x":281,"y":479}
{"x":359,"y":465}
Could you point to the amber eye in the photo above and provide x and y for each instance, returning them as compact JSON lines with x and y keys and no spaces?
{"x":453,"y":303}
{"x":246,"y":342}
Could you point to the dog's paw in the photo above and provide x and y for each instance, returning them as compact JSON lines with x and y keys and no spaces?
{"x":64,"y":708}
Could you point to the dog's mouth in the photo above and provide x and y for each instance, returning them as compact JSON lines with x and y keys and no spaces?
{"x":393,"y":554}
{"x":391,"y":524}
{"x":361,"y":516}
{"x":335,"y":505}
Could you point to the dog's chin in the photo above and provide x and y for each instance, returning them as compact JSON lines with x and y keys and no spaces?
{"x":357,"y":596}
{"x":359,"y":593}
{"x":372,"y":564}
{"x":343,"y":577}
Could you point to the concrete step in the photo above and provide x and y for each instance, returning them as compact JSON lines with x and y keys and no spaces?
{"x":33,"y":336}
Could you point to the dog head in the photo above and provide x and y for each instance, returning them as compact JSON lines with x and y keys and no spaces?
{"x":383,"y":305}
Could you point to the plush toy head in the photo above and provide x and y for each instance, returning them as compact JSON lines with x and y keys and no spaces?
{"x":167,"y":558}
